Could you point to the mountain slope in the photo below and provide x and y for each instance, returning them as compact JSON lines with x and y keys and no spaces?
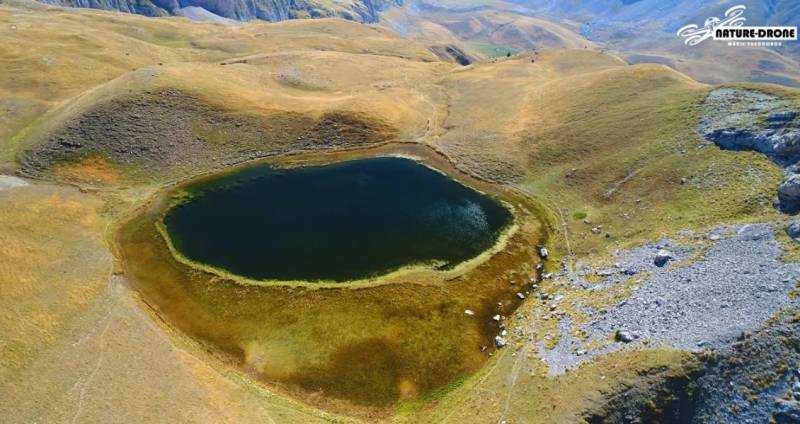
{"x":245,"y":10}
{"x":578,"y":130}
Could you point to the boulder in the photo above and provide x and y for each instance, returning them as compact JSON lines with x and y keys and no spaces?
{"x":786,"y":411}
{"x":789,"y":194}
{"x":786,"y":143}
{"x":543,"y":253}
{"x":782,"y":116}
{"x":624,"y":336}
{"x":662,"y":257}
{"x":793,"y":230}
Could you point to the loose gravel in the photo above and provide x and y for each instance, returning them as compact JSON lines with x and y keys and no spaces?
{"x":716,"y":287}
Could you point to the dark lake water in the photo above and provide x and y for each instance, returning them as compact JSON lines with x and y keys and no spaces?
{"x":336,"y":222}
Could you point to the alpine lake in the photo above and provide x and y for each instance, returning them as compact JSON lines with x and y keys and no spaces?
{"x":339,"y":279}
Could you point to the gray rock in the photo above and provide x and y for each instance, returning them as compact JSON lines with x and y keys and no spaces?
{"x":245,"y":10}
{"x":543,"y":253}
{"x":500,"y":341}
{"x":789,"y":194}
{"x":785,"y":143}
{"x":793,"y":230}
{"x":787,"y":411}
{"x":662,"y":257}
{"x":8,"y":182}
{"x":731,"y":119}
{"x":624,"y":337}
{"x":782,"y":116}
{"x":738,"y":283}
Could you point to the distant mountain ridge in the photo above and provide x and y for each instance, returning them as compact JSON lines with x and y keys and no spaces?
{"x":667,"y":15}
{"x":244,"y":10}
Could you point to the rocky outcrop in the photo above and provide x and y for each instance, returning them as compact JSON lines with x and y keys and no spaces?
{"x":140,"y":7}
{"x":244,"y":10}
{"x":753,"y":381}
{"x":793,"y":231}
{"x":739,"y":119}
{"x":452,"y":53}
{"x":789,"y":194}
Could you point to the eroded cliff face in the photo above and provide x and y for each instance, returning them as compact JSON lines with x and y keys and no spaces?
{"x":244,"y":10}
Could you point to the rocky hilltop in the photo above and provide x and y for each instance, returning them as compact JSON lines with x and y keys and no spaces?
{"x":244,"y":10}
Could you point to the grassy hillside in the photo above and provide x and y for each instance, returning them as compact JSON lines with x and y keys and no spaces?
{"x":84,"y":50}
{"x":483,"y":32}
{"x":121,"y":106}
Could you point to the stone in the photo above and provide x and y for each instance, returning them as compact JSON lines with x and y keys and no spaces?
{"x":500,"y":341}
{"x":520,"y":296}
{"x":782,"y":116}
{"x":662,"y":257}
{"x":543,"y":253}
{"x":789,"y":194}
{"x":793,"y":230}
{"x":469,"y":313}
{"x":596,"y":230}
{"x":624,"y":337}
{"x":8,"y":182}
{"x":496,"y":318}
{"x":787,"y":411}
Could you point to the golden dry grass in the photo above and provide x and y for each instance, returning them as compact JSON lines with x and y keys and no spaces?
{"x":484,"y":33}
{"x":526,"y":122}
